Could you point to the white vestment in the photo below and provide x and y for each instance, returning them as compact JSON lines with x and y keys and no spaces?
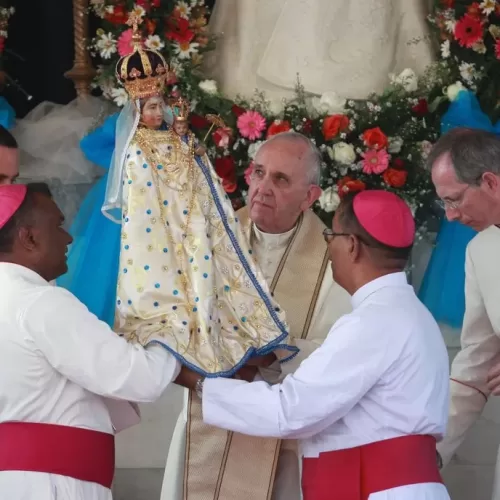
{"x":480,"y":341}
{"x":58,"y":364}
{"x":381,"y":373}
{"x":332,"y":303}
{"x":334,"y":45}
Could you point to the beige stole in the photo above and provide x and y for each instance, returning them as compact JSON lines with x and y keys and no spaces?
{"x":222,"y":465}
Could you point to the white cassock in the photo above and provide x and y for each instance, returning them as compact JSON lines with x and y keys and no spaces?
{"x":381,"y":373}
{"x":58,"y":364}
{"x":480,"y":341}
{"x":333,"y":302}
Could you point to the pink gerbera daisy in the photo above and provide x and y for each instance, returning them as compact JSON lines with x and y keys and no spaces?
{"x":375,"y":162}
{"x":251,"y":124}
{"x":124,"y":43}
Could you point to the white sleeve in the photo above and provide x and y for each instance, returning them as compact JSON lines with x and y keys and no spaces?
{"x":324,"y":389}
{"x":90,"y":354}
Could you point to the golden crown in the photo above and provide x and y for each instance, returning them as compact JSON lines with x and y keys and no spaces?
{"x":143,"y":73}
{"x":181,"y":109}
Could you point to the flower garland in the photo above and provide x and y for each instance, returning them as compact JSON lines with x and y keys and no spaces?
{"x":469,"y":33}
{"x":378,"y":143}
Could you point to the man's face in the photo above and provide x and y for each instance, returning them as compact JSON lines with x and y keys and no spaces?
{"x":152,"y":112}
{"x":279,"y":190}
{"x":51,"y":240}
{"x":9,"y":165}
{"x":337,"y":251}
{"x":477,"y":206}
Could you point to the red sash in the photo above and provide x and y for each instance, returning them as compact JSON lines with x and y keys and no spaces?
{"x":355,"y":473}
{"x":57,"y":449}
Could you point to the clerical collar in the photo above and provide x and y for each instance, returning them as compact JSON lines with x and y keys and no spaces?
{"x":272,"y":240}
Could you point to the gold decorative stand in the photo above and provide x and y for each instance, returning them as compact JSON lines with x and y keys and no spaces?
{"x":82,"y":71}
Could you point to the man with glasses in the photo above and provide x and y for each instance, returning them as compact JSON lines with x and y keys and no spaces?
{"x":287,"y":243}
{"x":368,"y":405}
{"x":465,"y":167}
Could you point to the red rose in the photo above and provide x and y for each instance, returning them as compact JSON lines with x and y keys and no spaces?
{"x":198,"y":121}
{"x":398,"y":163}
{"x":395,"y":178}
{"x":421,"y":108}
{"x":374,"y":138}
{"x":349,"y":185}
{"x":277,"y":127}
{"x":178,"y":30}
{"x":237,"y":110}
{"x":222,"y":137}
{"x":333,"y":125}
{"x":118,"y":16}
{"x":307,"y":126}
{"x":225,"y":169}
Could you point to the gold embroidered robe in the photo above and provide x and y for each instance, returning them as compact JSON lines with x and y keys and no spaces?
{"x":187,"y":277}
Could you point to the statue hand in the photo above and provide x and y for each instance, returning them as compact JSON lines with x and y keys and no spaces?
{"x":200,"y":150}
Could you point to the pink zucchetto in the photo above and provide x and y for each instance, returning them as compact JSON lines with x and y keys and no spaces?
{"x":11,"y":198}
{"x":385,"y":217}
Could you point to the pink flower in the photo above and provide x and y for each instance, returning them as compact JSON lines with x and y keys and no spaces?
{"x":375,"y":162}
{"x":124,"y":43}
{"x":248,"y":174}
{"x":251,"y":125}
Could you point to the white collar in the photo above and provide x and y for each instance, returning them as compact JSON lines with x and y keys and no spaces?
{"x":393,"y":279}
{"x":272,"y":240}
{"x":16,"y":271}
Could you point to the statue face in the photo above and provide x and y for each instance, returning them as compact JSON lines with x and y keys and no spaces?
{"x":181,"y":127}
{"x":152,"y":112}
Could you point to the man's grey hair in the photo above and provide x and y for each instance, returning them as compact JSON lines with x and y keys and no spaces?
{"x":313,"y":159}
{"x":472,"y":152}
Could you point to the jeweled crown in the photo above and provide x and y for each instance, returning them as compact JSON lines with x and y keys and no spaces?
{"x":181,"y":109}
{"x":143,"y":72}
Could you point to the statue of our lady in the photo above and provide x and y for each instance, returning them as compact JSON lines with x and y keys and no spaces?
{"x":187,"y":278}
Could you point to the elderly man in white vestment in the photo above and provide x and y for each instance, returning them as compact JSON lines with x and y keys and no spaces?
{"x":64,"y":375}
{"x":286,"y":238}
{"x":369,"y":404}
{"x":466,"y":172}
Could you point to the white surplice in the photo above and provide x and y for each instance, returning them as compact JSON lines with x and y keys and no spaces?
{"x":58,"y":364}
{"x":381,"y":373}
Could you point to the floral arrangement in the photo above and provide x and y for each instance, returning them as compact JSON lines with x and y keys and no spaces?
{"x":469,"y":34}
{"x":176,"y":28}
{"x":378,"y":143}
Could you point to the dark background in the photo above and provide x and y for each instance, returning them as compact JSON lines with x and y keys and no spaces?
{"x":41,"y":34}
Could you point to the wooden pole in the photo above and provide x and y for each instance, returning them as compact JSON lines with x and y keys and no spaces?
{"x":82,"y":71}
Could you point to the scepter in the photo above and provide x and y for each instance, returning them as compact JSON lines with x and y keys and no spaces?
{"x":214,"y":120}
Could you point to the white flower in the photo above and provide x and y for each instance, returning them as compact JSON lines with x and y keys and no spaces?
{"x":185,"y":50}
{"x":395,"y":144}
{"x":450,"y":25}
{"x":98,"y":7}
{"x":407,"y":78}
{"x":487,"y":6}
{"x":137,"y":13}
{"x":120,"y":96}
{"x":154,"y":42}
{"x":479,"y":47}
{"x":468,"y":71}
{"x":425,"y":147}
{"x":254,"y":148}
{"x":453,"y":90}
{"x":445,"y":49}
{"x":184,"y":9}
{"x":343,"y":153}
{"x":106,"y":45}
{"x":208,"y":86}
{"x":329,"y":199}
{"x":329,"y":103}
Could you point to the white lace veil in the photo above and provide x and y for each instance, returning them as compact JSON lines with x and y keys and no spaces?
{"x":126,"y":126}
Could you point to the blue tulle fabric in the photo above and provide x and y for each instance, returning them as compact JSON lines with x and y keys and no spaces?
{"x":442,"y":289}
{"x":94,"y":255}
{"x":7,"y":114}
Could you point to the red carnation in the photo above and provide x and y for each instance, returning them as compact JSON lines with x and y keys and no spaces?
{"x":421,"y":108}
{"x":225,"y":169}
{"x":277,"y":127}
{"x":348,"y":185}
{"x":237,"y":110}
{"x":395,"y":178}
{"x":468,"y":31}
{"x":374,"y":138}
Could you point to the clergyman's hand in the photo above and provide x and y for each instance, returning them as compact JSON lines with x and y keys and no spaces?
{"x":187,"y":378}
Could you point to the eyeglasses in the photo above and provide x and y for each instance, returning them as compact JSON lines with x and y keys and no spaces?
{"x":453,"y":204}
{"x":329,"y":234}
